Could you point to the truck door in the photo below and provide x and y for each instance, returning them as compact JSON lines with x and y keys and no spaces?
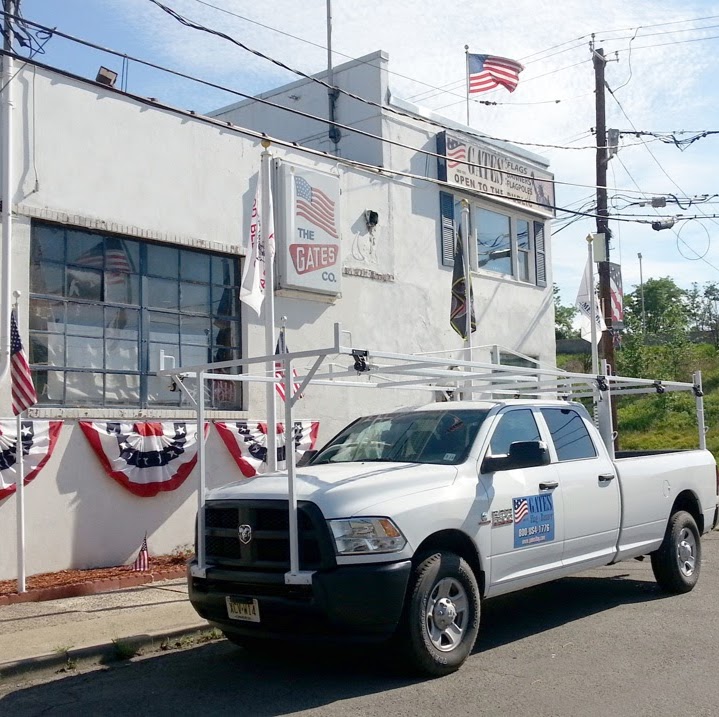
{"x":525,"y":508}
{"x":590,"y":488}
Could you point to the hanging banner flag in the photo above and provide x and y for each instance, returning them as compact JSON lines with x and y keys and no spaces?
{"x":146,"y":458}
{"x":247,"y":442}
{"x":617,"y":295}
{"x":584,"y":305}
{"x":38,"y":442}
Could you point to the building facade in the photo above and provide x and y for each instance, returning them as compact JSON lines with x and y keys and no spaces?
{"x":129,"y":232}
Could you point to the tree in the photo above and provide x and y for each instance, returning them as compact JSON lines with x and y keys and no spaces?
{"x":667,"y":309}
{"x":563,"y":317}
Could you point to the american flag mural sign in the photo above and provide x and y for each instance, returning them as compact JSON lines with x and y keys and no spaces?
{"x":247,"y":443}
{"x":616,"y":295}
{"x":533,"y":520}
{"x":310,"y":230}
{"x":473,"y":166}
{"x":38,"y":439}
{"x":145,"y":458}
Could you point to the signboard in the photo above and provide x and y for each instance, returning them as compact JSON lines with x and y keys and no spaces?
{"x":308,"y":243}
{"x":477,"y":167}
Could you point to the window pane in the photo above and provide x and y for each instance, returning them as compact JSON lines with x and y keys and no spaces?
{"x":122,"y":324}
{"x":522,"y":234}
{"x":83,"y":352}
{"x":194,"y":355}
{"x":165,"y":328}
{"x":226,"y":340}
{"x":83,"y":388}
{"x":47,"y":349}
{"x":224,"y":394}
{"x":162,"y":294}
{"x":121,"y":388}
{"x":195,"y":266}
{"x":158,"y":392}
{"x":85,"y":249}
{"x":225,"y":271}
{"x":122,"y":356}
{"x":84,"y":284}
{"x":47,"y":315}
{"x":48,"y":243}
{"x":513,"y":426}
{"x":84,"y":319}
{"x":50,"y":386}
{"x":523,"y":265}
{"x":195,"y":298}
{"x":570,"y":435}
{"x":122,"y":288}
{"x":494,"y":242}
{"x":195,"y":330}
{"x":224,"y":300}
{"x":47,"y":279}
{"x":172,"y":350}
{"x":162,"y":261}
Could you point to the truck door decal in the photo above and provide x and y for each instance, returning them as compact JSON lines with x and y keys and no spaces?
{"x":533,"y":520}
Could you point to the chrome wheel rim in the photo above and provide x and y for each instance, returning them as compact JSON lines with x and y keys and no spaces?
{"x":687,"y":552}
{"x":447,"y":614}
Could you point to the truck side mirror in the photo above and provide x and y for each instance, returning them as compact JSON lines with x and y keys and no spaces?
{"x":522,"y":454}
{"x":306,"y":457}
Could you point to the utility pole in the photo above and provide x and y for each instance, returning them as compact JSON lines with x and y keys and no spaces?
{"x":607,"y":343}
{"x":641,"y":289}
{"x":332,"y":94}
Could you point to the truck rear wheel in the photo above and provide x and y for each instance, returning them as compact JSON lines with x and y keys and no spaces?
{"x":442,"y":614}
{"x":677,"y":562}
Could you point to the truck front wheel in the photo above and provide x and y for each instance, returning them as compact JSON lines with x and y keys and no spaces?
{"x":442,"y":614}
{"x":677,"y":562}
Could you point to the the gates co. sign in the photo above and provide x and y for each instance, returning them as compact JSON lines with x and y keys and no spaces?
{"x":309,"y":241}
{"x":478,"y":167}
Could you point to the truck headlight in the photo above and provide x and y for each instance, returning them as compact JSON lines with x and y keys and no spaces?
{"x":366,"y":535}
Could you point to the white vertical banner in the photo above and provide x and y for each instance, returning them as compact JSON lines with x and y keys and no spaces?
{"x":586,"y":301}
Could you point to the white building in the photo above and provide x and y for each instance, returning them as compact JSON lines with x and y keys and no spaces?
{"x":129,"y":230}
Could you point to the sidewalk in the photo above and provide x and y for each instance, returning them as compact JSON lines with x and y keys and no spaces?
{"x":101,"y":627}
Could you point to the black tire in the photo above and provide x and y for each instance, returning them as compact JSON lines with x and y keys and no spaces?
{"x":677,"y":562}
{"x":441,"y":616}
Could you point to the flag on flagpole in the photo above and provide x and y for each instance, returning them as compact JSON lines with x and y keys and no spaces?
{"x":142,"y":561}
{"x":489,"y":71}
{"x":23,"y":389}
{"x":583,"y":303}
{"x":262,"y":250}
{"x":281,"y":348}
{"x":458,"y":308}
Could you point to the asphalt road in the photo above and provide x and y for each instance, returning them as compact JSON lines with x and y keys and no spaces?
{"x":606,"y":642}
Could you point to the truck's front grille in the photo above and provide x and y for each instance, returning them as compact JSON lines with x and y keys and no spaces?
{"x":268,"y":548}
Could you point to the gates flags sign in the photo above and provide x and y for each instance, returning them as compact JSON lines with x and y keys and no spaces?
{"x":146,"y":458}
{"x":247,"y":442}
{"x":38,"y":439}
{"x":309,"y":258}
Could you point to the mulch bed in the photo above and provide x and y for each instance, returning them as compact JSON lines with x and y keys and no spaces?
{"x":69,"y":583}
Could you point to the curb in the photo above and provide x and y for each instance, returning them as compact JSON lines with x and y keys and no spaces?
{"x":93,"y":587}
{"x":104,"y":653}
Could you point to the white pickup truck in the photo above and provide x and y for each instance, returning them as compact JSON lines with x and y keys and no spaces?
{"x":409,"y":520}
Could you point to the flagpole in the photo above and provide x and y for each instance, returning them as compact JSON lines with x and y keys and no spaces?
{"x":592,"y":305}
{"x":466,"y":72}
{"x":467,"y":280}
{"x":19,"y":489}
{"x":266,"y":219}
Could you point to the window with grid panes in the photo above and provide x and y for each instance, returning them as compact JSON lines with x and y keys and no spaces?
{"x":102,"y":306}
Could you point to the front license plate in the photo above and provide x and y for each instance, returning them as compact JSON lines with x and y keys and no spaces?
{"x":245,"y":609}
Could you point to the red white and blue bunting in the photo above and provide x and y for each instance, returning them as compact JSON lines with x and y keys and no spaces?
{"x":38,"y":440}
{"x":247,"y":442}
{"x":146,"y":458}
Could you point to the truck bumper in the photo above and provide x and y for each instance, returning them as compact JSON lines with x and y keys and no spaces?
{"x":359,"y":602}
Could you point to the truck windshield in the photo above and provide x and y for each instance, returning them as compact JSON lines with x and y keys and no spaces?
{"x":441,"y":437}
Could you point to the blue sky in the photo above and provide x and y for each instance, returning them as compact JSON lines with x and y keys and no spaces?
{"x":664,"y":80}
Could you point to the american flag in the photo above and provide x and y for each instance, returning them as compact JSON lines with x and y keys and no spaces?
{"x":458,"y":305}
{"x":23,"y":390}
{"x":489,"y":71}
{"x":281,"y":348}
{"x":315,"y":206}
{"x":521,"y":509}
{"x":456,"y":152}
{"x":109,"y":255}
{"x":616,"y":294}
{"x":142,"y":561}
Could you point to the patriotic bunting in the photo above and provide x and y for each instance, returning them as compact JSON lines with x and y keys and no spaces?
{"x":146,"y":458}
{"x":247,"y":442}
{"x":38,"y":442}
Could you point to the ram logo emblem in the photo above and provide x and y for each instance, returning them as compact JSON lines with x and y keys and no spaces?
{"x":244,"y":533}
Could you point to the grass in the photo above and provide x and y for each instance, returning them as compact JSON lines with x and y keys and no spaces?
{"x":124,"y":650}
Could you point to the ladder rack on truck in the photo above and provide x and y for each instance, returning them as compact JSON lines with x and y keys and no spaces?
{"x":387,"y":371}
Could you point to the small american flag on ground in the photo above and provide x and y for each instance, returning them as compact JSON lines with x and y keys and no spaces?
{"x":315,"y":206}
{"x":142,"y":561}
{"x":281,"y":348}
{"x":23,"y":389}
{"x":489,"y":71}
{"x":456,"y":152}
{"x":521,"y":509}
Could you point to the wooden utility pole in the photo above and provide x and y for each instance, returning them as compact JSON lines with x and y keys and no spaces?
{"x":605,"y":301}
